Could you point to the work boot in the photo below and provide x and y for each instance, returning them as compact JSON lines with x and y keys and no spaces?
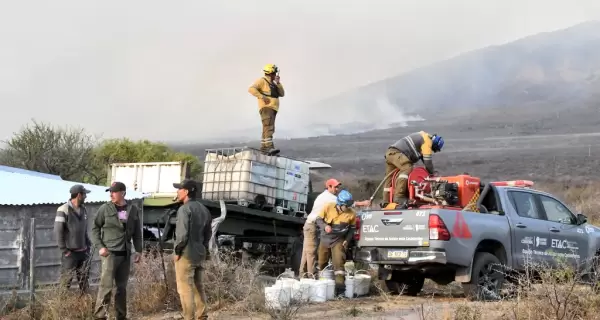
{"x":273,"y":151}
{"x":340,"y":291}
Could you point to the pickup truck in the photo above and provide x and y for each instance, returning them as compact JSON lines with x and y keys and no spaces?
{"x":515,"y":227}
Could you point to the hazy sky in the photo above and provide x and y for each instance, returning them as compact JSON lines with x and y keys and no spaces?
{"x":173,"y":70}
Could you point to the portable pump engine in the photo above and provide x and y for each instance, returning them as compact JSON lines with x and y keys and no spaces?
{"x":454,"y":191}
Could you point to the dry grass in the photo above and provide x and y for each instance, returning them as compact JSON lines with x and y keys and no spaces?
{"x":582,"y":197}
{"x":230,"y":285}
{"x":557,"y":294}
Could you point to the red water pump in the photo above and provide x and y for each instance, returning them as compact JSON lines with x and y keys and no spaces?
{"x":453,"y":191}
{"x":425,"y":189}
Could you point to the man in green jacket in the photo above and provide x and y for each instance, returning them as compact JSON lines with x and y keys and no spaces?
{"x":192,"y":235}
{"x":117,"y":223}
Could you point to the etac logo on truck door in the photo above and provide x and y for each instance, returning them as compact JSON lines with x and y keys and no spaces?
{"x":366,"y":228}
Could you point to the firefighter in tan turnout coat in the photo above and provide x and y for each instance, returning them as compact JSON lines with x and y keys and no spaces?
{"x":268,"y":89}
{"x":402,"y":155}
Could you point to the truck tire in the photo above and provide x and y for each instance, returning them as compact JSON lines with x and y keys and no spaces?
{"x":487,"y":278}
{"x":408,"y":283}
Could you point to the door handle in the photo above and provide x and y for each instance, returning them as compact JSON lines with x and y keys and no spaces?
{"x":520,"y":225}
{"x":553,"y":229}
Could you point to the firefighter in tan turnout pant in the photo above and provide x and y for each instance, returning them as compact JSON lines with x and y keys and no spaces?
{"x":337,"y":222}
{"x":402,"y":155}
{"x":268,"y":89}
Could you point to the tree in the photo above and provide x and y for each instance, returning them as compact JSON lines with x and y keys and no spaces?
{"x":67,"y":152}
{"x":125,"y":150}
{"x":77,"y":156}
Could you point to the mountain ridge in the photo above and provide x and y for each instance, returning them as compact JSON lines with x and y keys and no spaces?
{"x":554,"y":66}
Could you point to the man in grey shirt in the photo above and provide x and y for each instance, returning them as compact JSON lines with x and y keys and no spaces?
{"x":192,"y":235}
{"x":71,"y":231}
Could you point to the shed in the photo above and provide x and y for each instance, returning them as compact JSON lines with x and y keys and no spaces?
{"x":24,"y":196}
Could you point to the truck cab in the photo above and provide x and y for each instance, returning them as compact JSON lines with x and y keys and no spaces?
{"x":511,"y":227}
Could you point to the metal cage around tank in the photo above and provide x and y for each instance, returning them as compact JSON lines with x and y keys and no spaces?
{"x":247,"y":177}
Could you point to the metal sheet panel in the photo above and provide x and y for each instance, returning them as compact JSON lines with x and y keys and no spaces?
{"x":24,"y":189}
{"x":29,"y":172}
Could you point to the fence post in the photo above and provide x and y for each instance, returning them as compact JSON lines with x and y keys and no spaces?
{"x":23,"y":265}
{"x":32,"y":262}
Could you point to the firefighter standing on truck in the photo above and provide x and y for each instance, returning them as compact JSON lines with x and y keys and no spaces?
{"x":268,"y":89}
{"x":337,"y":222}
{"x":402,"y":155}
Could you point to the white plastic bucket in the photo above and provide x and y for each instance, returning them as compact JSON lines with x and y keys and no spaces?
{"x":350,"y":286}
{"x":319,"y":291}
{"x":326,"y":274}
{"x":278,"y":296}
{"x":281,"y":293}
{"x":304,"y":289}
{"x":362,"y":283}
{"x":330,"y":289}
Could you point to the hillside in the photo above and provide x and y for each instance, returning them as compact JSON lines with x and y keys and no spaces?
{"x":558,"y":69}
{"x":520,"y":110}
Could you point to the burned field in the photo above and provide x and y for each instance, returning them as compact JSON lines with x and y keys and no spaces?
{"x":496,"y":153}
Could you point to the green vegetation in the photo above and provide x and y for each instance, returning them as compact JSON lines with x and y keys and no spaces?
{"x":76,"y":155}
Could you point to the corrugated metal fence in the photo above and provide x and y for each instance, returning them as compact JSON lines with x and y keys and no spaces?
{"x":17,"y":265}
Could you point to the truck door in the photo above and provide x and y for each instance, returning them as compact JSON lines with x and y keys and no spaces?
{"x":568,"y":242}
{"x":529,"y":229}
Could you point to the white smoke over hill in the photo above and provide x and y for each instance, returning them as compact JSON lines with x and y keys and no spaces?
{"x":295,"y":123}
{"x":347,"y":120}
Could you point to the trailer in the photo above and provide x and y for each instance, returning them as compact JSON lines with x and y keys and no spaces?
{"x":258,"y":202}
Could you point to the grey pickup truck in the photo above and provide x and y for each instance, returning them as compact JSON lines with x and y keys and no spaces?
{"x":515,"y":226}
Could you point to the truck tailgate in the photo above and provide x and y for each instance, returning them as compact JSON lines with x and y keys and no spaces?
{"x":397,"y":228}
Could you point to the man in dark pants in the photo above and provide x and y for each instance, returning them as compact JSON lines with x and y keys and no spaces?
{"x":71,"y":231}
{"x":192,"y":235}
{"x":117,"y":223}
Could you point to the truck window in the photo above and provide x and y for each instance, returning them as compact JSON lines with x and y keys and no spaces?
{"x":556,"y":211}
{"x":489,"y":203}
{"x":524,"y":204}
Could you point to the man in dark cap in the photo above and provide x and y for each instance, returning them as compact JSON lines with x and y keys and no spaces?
{"x":117,"y":223}
{"x":71,"y":230}
{"x":192,"y":235}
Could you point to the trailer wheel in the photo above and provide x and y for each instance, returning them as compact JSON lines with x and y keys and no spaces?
{"x":487,"y":278}
{"x":408,"y":283}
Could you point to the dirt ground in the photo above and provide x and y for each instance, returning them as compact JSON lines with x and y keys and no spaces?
{"x":435,"y":302}
{"x":399,"y":308}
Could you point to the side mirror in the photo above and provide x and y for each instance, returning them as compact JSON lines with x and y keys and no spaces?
{"x":581,"y":219}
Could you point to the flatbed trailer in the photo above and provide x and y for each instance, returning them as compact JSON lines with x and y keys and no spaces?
{"x":251,"y":233}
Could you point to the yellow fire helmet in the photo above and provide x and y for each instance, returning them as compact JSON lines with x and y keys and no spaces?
{"x":270,"y":68}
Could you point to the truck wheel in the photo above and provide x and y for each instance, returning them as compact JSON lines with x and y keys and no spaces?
{"x":408,"y":283}
{"x":487,"y":278}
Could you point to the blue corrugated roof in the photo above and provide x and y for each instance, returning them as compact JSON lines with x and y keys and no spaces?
{"x":17,"y":189}
{"x":33,"y":173}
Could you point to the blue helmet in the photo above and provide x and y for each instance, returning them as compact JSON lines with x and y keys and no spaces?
{"x":438,"y":143}
{"x":344,"y":198}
